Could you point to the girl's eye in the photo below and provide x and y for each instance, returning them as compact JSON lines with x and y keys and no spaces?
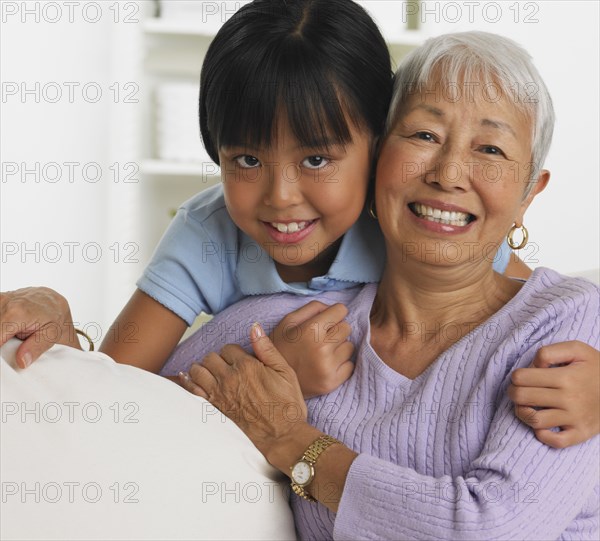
{"x":246,"y":161}
{"x":315,"y":162}
{"x":489,"y":149}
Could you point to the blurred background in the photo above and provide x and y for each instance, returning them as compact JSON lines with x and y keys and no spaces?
{"x":99,"y":137}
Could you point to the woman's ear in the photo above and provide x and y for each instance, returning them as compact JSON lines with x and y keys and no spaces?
{"x":538,"y":187}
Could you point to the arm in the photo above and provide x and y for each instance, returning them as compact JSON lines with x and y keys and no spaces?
{"x":144,"y":333}
{"x":568,"y":394}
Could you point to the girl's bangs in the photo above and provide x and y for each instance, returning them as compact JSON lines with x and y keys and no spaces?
{"x":290,"y":83}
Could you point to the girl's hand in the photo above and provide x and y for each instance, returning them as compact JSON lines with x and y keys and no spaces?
{"x":314,"y":342}
{"x":569,"y":394}
{"x":38,"y":315}
{"x":260,"y":394}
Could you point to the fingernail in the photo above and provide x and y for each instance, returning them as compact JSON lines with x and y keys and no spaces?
{"x":258,"y":332}
{"x":184,"y":375}
{"x":27,"y":359}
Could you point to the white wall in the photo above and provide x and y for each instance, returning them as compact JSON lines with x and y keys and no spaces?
{"x":66,"y":120}
{"x":41,"y":217}
{"x":563,"y":222}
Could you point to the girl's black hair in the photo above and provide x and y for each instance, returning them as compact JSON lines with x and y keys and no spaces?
{"x":317,"y":60}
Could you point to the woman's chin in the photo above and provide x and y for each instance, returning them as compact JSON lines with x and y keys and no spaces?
{"x":449,"y":252}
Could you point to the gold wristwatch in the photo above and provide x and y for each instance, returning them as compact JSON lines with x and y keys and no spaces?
{"x":303,"y":471}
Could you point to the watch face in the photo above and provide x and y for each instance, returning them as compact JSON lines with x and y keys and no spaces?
{"x":302,"y":473}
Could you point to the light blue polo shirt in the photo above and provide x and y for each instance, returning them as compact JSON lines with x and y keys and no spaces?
{"x":204,"y":263}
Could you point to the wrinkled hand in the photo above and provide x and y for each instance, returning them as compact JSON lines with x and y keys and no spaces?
{"x":570,"y":394}
{"x":260,"y":394}
{"x":38,"y":315}
{"x":314,"y":342}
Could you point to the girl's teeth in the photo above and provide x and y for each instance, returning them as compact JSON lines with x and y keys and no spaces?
{"x":291,"y":227}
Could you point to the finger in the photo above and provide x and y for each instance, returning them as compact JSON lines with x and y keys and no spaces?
{"x":265,"y":351}
{"x":13,"y":325}
{"x":344,"y":352}
{"x":345,"y":371}
{"x":202,"y":377}
{"x":308,"y":311}
{"x":189,"y":385}
{"x":538,"y":419}
{"x":32,"y":348}
{"x":538,"y":397}
{"x":216,"y":365}
{"x":233,"y":354}
{"x":559,"y":440}
{"x":565,"y":352}
{"x":533,"y":377}
{"x":339,"y":332}
{"x":332,"y":315}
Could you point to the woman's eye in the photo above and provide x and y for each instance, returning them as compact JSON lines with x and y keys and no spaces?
{"x":246,"y":161}
{"x":425,"y":136}
{"x":489,"y":149}
{"x":315,"y":162}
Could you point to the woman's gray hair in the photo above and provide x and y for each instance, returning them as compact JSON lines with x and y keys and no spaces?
{"x":504,"y":68}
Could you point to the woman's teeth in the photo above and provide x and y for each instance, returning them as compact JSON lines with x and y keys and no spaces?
{"x":290,"y":227}
{"x":441,"y":216}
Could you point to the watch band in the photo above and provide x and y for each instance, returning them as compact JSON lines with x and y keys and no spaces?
{"x":311,"y":456}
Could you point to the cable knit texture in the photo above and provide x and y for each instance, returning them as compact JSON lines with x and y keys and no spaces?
{"x":442,"y":456}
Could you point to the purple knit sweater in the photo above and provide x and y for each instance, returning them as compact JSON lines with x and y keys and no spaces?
{"x":443,"y":456}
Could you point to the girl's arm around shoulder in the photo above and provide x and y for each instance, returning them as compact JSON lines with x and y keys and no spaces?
{"x":144,"y":333}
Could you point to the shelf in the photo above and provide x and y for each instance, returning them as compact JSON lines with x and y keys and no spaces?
{"x":181,"y":169}
{"x":173,"y":27}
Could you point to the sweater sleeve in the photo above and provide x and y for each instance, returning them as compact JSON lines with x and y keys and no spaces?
{"x":517,"y":488}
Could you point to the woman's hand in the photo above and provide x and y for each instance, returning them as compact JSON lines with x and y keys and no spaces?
{"x":38,"y":315}
{"x":569,"y":394}
{"x":260,"y":394}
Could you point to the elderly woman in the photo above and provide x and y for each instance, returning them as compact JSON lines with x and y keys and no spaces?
{"x":421,"y":441}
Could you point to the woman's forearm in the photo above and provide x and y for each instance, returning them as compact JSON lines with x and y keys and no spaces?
{"x":331,"y":468}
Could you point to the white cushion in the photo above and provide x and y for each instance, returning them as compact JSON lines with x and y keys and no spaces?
{"x":91,"y":449}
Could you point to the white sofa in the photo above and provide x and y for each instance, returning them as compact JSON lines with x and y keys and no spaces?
{"x":95,"y":450}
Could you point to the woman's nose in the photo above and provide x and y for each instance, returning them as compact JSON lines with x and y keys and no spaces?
{"x":283,"y":187}
{"x":450,"y":171}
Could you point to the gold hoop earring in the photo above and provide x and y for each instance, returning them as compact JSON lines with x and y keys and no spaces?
{"x":511,"y":240}
{"x":372,"y":213}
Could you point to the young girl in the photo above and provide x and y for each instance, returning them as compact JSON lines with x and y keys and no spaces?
{"x":294,"y":96}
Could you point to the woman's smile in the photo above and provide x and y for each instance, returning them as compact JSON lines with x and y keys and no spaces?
{"x":441,"y":213}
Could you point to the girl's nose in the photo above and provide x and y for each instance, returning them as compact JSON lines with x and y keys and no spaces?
{"x":284,"y":188}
